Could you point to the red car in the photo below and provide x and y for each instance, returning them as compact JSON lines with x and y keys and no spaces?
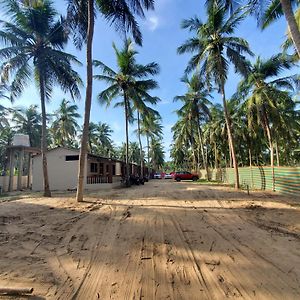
{"x":178,"y":176}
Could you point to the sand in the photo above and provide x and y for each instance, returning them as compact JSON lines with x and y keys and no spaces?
{"x":164,"y":240}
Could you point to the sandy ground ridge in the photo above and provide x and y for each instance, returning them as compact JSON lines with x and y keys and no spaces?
{"x":164,"y":240}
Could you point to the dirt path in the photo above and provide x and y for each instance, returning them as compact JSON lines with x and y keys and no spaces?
{"x":164,"y":240}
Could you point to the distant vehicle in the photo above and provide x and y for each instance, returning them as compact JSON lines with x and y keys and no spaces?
{"x":168,"y":176}
{"x":157,"y":176}
{"x":178,"y":176}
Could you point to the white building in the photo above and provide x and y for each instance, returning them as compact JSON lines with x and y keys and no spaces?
{"x":100,"y":172}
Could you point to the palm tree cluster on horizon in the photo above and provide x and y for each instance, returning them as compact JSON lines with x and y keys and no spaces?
{"x":264,"y":100}
{"x":65,"y":131}
{"x":244,"y":130}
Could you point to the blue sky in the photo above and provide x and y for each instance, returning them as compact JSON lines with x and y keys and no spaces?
{"x":161,"y":37}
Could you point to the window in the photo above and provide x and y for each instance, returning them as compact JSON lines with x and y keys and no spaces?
{"x":72,"y":157}
{"x":107,"y":168}
{"x":114,"y":170}
{"x":94,"y":167}
{"x":101,"y":168}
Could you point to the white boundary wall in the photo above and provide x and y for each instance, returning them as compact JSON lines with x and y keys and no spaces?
{"x":4,"y":182}
{"x":63,"y":174}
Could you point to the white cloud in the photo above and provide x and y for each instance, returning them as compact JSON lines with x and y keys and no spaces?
{"x":152,"y":23}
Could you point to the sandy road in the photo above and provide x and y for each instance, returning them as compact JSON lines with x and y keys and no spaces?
{"x":164,"y":240}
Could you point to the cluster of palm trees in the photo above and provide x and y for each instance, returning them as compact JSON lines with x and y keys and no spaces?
{"x":34,"y":39}
{"x":260,"y":116}
{"x":64,"y":131}
{"x":131,"y":84}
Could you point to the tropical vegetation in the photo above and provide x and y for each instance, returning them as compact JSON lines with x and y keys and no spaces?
{"x":257,"y":124}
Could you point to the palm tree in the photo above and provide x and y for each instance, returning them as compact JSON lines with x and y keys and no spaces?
{"x":215,"y":48}
{"x":151,"y":128}
{"x":178,"y":155}
{"x":215,"y":133}
{"x":99,"y":139}
{"x":4,"y":122}
{"x":104,"y":142}
{"x":4,"y":91}
{"x":64,"y":127}
{"x":184,"y":134}
{"x":81,"y":16}
{"x":289,"y":42}
{"x":269,"y":11}
{"x":6,"y":137}
{"x":264,"y":93}
{"x":35,"y":38}
{"x":129,"y":82}
{"x":157,"y":153}
{"x":29,"y":121}
{"x":144,"y":111}
{"x":276,"y":9}
{"x":195,"y":105}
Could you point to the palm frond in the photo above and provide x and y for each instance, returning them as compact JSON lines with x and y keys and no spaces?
{"x":104,"y":68}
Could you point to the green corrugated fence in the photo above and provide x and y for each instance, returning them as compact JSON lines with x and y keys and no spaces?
{"x":287,"y":179}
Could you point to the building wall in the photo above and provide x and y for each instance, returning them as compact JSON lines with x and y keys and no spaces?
{"x":62,"y":174}
{"x":4,"y":182}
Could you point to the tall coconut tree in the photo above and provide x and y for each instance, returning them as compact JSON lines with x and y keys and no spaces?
{"x":104,"y":141}
{"x":215,"y":133}
{"x":33,"y":42}
{"x":185,"y":134}
{"x":269,"y":11}
{"x":196,"y":105}
{"x":29,"y":121}
{"x":6,"y":137}
{"x":288,"y":43}
{"x":143,"y":111}
{"x":215,"y":48}
{"x":129,"y":82}
{"x":263,"y":93}
{"x":157,"y":153}
{"x":4,"y":120}
{"x":65,"y":126}
{"x":151,"y":128}
{"x":81,"y":19}
{"x":278,"y":8}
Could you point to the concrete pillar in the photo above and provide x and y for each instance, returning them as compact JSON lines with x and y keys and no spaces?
{"x":118,"y":168}
{"x":11,"y":170}
{"x":20,"y":169}
{"x":29,"y":171}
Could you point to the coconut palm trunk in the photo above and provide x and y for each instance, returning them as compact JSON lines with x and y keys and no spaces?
{"x":192,"y":141}
{"x":216,"y":155}
{"x":141,"y":146}
{"x":47,"y":192}
{"x":88,"y":101}
{"x":292,"y":24}
{"x":127,"y":138}
{"x":230,"y":138}
{"x":271,"y":147}
{"x":250,"y":164}
{"x":277,"y":154}
{"x":148,"y":154}
{"x":204,"y":158}
{"x":230,"y":155}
